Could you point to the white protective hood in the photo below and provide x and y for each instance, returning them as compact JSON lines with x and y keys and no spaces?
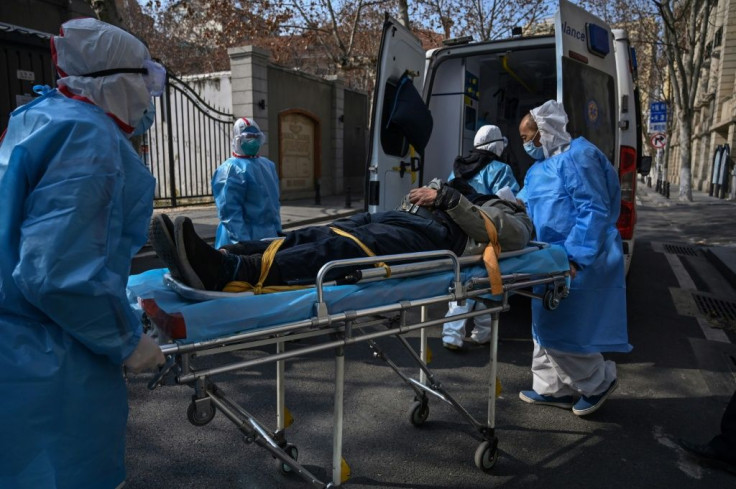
{"x":551,"y":120}
{"x":88,"y":45}
{"x":489,"y":138}
{"x":240,"y":128}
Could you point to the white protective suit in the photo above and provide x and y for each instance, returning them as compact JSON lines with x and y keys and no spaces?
{"x":77,"y":201}
{"x":573,"y":197}
{"x":246,"y":190}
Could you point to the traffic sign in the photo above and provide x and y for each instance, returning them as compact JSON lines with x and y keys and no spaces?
{"x":659,"y":140}
{"x":657,"y":116}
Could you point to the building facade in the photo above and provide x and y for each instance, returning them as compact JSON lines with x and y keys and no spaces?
{"x":714,"y":124}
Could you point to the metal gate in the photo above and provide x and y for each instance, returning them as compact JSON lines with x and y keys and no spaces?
{"x":25,"y":61}
{"x":187,"y":142}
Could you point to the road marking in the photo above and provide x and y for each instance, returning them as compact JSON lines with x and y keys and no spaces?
{"x":683,"y":278}
{"x":685,"y":462}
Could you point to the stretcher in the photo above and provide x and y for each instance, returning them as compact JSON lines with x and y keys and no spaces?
{"x":373,"y":304}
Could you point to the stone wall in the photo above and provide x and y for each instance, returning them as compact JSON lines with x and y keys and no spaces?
{"x":290,"y":106}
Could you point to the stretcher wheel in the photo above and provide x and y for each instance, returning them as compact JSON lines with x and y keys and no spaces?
{"x":418,"y":413}
{"x":486,"y":455}
{"x":293,"y":452}
{"x":201,"y":416}
{"x":550,"y":300}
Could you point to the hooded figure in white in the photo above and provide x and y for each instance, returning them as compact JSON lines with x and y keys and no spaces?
{"x":246,"y":189}
{"x":77,"y":201}
{"x":483,"y":168}
{"x":487,"y":174}
{"x":573,"y":196}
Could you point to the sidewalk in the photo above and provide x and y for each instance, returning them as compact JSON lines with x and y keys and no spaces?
{"x":707,"y":221}
{"x":294,"y":213}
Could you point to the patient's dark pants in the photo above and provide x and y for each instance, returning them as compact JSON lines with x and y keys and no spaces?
{"x":305,"y":250}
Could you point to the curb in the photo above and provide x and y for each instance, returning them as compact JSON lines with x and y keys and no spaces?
{"x":312,"y":220}
{"x":724,"y":268}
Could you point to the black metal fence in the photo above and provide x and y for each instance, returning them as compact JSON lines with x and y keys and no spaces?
{"x":187,"y":142}
{"x":25,"y":61}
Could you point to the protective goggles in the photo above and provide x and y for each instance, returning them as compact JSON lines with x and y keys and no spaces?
{"x":250,"y":132}
{"x":154,"y":75}
{"x":504,"y":139}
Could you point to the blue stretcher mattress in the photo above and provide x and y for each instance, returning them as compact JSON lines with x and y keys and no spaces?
{"x":224,"y":316}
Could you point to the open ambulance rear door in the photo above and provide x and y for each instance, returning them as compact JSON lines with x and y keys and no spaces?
{"x":598,"y":99}
{"x":393,"y":164}
{"x":586,"y":70}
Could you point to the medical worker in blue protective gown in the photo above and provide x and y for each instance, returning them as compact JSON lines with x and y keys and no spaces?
{"x":483,"y":170}
{"x":246,"y":189}
{"x":572,"y":195}
{"x":77,"y":201}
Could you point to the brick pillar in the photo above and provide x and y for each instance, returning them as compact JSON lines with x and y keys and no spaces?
{"x":249,"y":71}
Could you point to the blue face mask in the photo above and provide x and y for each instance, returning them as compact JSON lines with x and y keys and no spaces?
{"x":536,"y":152}
{"x":250,"y":147}
{"x":146,"y":121}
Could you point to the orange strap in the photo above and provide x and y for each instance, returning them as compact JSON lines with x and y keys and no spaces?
{"x":490,"y":256}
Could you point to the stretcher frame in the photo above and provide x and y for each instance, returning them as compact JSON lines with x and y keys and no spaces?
{"x":342,"y":329}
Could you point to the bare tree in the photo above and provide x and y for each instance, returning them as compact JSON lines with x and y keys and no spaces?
{"x":676,"y":44}
{"x":322,"y":37}
{"x":107,"y":11}
{"x":439,"y":14}
{"x":482,"y":19}
{"x":642,"y":22}
{"x":685,"y":35}
{"x":404,"y":12}
{"x":344,"y":31}
{"x":487,"y":20}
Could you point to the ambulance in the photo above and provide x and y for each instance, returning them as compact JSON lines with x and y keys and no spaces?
{"x":428,"y":105}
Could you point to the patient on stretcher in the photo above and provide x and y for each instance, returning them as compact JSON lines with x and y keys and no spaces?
{"x":440,"y":216}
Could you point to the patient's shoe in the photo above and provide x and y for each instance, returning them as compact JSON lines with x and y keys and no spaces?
{"x":202,"y":266}
{"x":564,"y":402}
{"x":161,"y":236}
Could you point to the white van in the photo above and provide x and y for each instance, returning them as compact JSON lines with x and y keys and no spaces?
{"x":586,"y":65}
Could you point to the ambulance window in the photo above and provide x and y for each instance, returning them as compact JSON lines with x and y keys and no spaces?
{"x":590,"y":101}
{"x":470,"y":118}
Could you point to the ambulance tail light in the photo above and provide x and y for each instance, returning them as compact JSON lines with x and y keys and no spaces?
{"x":627,"y":179}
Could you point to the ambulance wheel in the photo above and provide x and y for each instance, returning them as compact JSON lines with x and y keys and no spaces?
{"x":549,"y":301}
{"x":418,"y":413}
{"x":293,"y":452}
{"x":202,"y":416}
{"x":486,"y":455}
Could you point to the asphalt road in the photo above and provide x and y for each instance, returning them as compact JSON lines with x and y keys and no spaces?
{"x":675,"y":383}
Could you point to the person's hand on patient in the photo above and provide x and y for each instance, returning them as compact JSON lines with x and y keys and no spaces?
{"x":146,"y":356}
{"x":422,"y":196}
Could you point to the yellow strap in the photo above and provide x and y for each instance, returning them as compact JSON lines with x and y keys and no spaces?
{"x":346,"y":234}
{"x":266,"y":263}
{"x":362,"y":245}
{"x":490,"y":256}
